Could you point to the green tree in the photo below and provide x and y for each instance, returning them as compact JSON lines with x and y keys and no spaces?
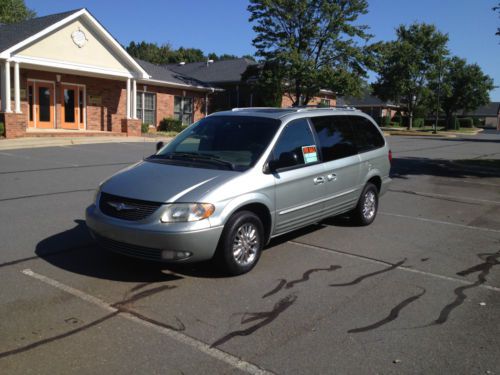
{"x":267,"y":80}
{"x":408,"y":64}
{"x":463,"y":87}
{"x":12,"y":11}
{"x":152,"y":52}
{"x":314,"y":42}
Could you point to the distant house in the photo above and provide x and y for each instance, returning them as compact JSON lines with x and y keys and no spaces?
{"x":225,"y":74}
{"x":488,"y":115}
{"x":371,"y":105}
{"x":228,"y":75}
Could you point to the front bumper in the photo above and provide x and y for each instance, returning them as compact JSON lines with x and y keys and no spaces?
{"x":148,"y":240}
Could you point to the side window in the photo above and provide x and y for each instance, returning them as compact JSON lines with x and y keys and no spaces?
{"x":367,"y":136}
{"x":296,"y":142}
{"x":336,"y":137}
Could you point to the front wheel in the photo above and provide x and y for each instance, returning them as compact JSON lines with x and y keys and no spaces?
{"x":367,"y":207}
{"x":241,"y":243}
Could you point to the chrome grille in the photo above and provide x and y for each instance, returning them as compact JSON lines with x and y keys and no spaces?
{"x":135,"y":251}
{"x":126,"y":208}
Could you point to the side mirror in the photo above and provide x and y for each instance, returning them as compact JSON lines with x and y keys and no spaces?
{"x":159,"y":145}
{"x":287,"y":159}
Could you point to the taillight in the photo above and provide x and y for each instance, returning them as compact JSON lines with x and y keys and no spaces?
{"x":390,"y":156}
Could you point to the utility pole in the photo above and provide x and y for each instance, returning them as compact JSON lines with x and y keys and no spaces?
{"x":438,"y":94}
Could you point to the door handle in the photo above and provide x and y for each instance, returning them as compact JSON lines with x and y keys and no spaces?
{"x":319,"y":180}
{"x":331,"y":177}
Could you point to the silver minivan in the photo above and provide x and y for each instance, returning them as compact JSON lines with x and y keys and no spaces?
{"x":229,"y":183}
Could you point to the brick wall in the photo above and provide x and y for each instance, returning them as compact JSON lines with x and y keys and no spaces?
{"x":110,"y":113}
{"x":287,"y":102}
{"x":165,"y":101}
{"x":15,"y":124}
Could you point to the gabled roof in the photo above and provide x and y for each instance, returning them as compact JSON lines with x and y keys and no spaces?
{"x":165,"y":74}
{"x":223,"y":71}
{"x":12,"y":34}
{"x":37,"y":28}
{"x":365,"y":101}
{"x":491,"y":109}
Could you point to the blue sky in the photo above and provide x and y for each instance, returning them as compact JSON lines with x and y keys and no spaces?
{"x":222,"y":26}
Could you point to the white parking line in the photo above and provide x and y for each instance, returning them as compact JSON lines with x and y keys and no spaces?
{"x":178,"y":336}
{"x":440,"y":222}
{"x":402,"y":268}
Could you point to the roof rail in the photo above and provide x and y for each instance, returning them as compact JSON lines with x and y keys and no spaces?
{"x":252,"y":108}
{"x":332,"y":107}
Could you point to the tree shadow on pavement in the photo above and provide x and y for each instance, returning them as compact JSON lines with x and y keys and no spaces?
{"x":408,"y":166}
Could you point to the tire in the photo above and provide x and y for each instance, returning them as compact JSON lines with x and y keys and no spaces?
{"x":366,"y":210}
{"x":241,"y":243}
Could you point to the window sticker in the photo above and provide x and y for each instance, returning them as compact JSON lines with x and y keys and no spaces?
{"x":310,"y":154}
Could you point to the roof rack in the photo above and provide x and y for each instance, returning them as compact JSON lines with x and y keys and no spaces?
{"x":297,"y":108}
{"x":332,"y":107}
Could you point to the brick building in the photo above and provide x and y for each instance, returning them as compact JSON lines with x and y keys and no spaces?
{"x":65,"y":72}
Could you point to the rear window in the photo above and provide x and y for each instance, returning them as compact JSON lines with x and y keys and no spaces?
{"x":336,"y":137}
{"x":367,"y":135}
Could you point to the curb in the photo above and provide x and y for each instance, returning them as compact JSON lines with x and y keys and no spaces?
{"x":38,"y":142}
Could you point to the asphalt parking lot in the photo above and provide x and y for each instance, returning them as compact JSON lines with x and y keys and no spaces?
{"x":418,"y":291}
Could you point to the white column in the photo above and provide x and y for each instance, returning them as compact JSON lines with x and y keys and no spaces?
{"x":2,"y":86}
{"x":17,"y":91}
{"x":128,"y":98}
{"x":7,"y":87}
{"x":134,"y":99}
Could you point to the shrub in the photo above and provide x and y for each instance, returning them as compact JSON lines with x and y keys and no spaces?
{"x":418,"y":122}
{"x":387,"y":120}
{"x":2,"y":129}
{"x":476,"y":122}
{"x":144,"y":128}
{"x":170,"y":124}
{"x":465,"y":122}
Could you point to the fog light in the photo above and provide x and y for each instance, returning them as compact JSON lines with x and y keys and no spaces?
{"x":175,"y":255}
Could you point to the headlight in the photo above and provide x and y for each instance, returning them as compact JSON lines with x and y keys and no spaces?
{"x":182,"y":212}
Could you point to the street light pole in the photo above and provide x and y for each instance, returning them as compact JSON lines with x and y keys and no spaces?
{"x":438,"y":96}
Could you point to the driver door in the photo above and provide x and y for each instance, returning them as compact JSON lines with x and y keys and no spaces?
{"x":299,"y":187}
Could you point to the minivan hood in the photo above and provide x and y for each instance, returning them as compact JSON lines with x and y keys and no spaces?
{"x":160,"y":182}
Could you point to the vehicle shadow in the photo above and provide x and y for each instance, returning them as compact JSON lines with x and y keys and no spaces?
{"x":75,"y":251}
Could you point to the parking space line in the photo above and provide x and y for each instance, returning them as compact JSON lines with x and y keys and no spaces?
{"x":440,"y":222}
{"x":178,"y":336}
{"x":402,"y":268}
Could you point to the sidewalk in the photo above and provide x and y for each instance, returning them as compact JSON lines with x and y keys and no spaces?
{"x":35,"y":142}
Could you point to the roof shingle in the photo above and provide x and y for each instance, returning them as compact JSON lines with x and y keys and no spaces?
{"x":12,"y":34}
{"x":223,"y":71}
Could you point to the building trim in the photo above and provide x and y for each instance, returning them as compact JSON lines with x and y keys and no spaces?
{"x":70,"y":66}
{"x":156,"y":82}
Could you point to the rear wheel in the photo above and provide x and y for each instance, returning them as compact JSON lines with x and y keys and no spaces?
{"x":366,"y":210}
{"x":241,"y":243}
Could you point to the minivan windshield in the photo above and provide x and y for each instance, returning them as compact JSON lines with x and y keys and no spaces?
{"x":220,"y":142}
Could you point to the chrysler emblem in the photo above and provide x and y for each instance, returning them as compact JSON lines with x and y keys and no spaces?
{"x":119,"y":206}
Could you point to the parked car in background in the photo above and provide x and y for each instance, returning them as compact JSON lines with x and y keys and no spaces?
{"x":229,"y":183}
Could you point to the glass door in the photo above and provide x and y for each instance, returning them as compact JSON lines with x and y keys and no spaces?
{"x":70,"y":106}
{"x":41,"y":104}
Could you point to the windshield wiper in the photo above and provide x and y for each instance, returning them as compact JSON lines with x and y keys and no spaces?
{"x":196,"y":157}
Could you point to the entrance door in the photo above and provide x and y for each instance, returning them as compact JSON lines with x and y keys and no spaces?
{"x":41,"y":105}
{"x":70,"y":107}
